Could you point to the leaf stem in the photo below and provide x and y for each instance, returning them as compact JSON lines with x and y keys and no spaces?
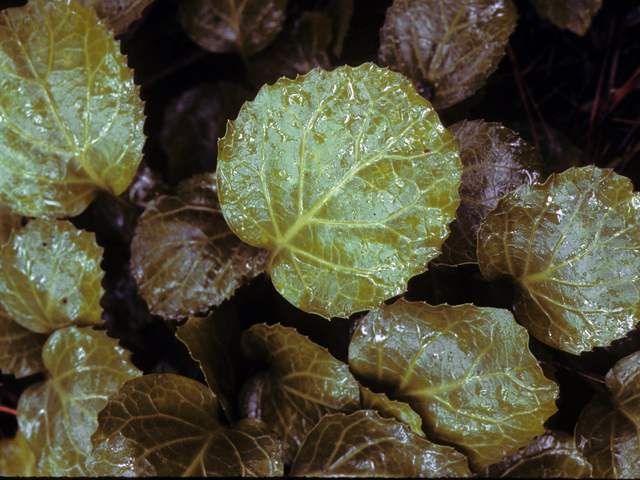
{"x":9,"y":410}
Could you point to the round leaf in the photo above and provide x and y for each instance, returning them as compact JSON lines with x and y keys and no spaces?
{"x":571,"y":245}
{"x":70,"y":116}
{"x":17,"y":458}
{"x":466,"y":370}
{"x":623,"y":381}
{"x":348,"y":178}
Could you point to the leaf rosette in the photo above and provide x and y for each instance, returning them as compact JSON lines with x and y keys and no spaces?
{"x":348,"y":178}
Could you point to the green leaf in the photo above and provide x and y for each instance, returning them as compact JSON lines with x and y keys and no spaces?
{"x":70,"y":116}
{"x":20,"y":349}
{"x":547,"y":238}
{"x":183,"y":255}
{"x":452,"y":46}
{"x":9,"y":222}
{"x":50,"y":276}
{"x":495,"y":160}
{"x":241,"y":26}
{"x":364,"y":444}
{"x":118,"y":14}
{"x":303,"y":383}
{"x":58,"y":416}
{"x":574,"y":15}
{"x":466,"y":370}
{"x":623,"y":381}
{"x":348,"y":178}
{"x":168,"y":425}
{"x":551,"y":455}
{"x":214,"y":342}
{"x":17,"y":458}
{"x":387,"y":408}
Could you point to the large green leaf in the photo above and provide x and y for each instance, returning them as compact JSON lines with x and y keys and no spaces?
{"x":364,"y":444}
{"x":20,"y":349}
{"x":118,"y":14}
{"x":58,"y":416}
{"x":574,"y":15}
{"x":168,"y":425}
{"x":17,"y":458}
{"x":183,"y":255}
{"x":70,"y":116}
{"x":50,"y":276}
{"x":303,"y":383}
{"x":452,"y":46}
{"x":466,"y":370}
{"x":348,"y":178}
{"x":571,"y":245}
{"x":495,"y":161}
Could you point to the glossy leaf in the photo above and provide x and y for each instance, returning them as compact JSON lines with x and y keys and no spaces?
{"x":466,"y":370}
{"x":168,"y":425}
{"x":242,"y":26}
{"x":388,"y":408}
{"x":551,"y":455}
{"x":495,"y":160}
{"x":70,"y":116}
{"x":118,"y":14}
{"x":571,"y":247}
{"x":9,"y":222}
{"x":364,"y":444}
{"x":50,"y":276}
{"x":574,"y":15}
{"x":348,"y":178}
{"x":303,"y":383}
{"x":58,"y":416}
{"x":183,"y":255}
{"x":17,"y":458}
{"x":20,"y":349}
{"x":452,"y":46}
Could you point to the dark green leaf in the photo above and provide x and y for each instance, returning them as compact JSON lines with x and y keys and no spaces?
{"x":623,"y":381}
{"x":453,"y":46}
{"x":17,"y":458}
{"x":20,"y":349}
{"x":574,"y":15}
{"x":364,"y":444}
{"x":467,"y":371}
{"x":571,"y":245}
{"x":387,"y":408}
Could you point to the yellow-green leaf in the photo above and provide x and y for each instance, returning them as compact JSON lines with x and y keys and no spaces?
{"x":348,"y":178}
{"x":17,"y":458}
{"x":70,"y":116}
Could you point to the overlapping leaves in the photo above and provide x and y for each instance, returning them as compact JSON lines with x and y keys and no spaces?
{"x":118,"y":14}
{"x":20,"y":348}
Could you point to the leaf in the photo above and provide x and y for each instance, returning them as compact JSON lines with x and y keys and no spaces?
{"x":547,"y":238}
{"x":17,"y":458}
{"x":452,"y":46}
{"x":20,"y":349}
{"x":241,"y":26}
{"x":495,"y":160}
{"x":9,"y":222}
{"x":58,"y":416}
{"x":364,"y":444}
{"x":214,"y":342}
{"x":184,"y":258}
{"x":551,"y":455}
{"x":70,"y":116}
{"x":50,"y":276}
{"x":303,"y":383}
{"x":341,"y":12}
{"x":347,"y":177}
{"x":118,"y":14}
{"x":466,"y":370}
{"x":387,"y":408}
{"x":167,"y":425}
{"x":574,"y":15}
{"x":623,"y":381}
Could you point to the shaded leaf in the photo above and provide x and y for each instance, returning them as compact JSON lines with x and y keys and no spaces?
{"x":9,"y":222}
{"x":147,"y":185}
{"x":495,"y":161}
{"x":58,"y":416}
{"x":341,"y":12}
{"x":168,"y":425}
{"x":70,"y":116}
{"x":118,"y":14}
{"x":364,"y":444}
{"x":574,"y":15}
{"x":347,"y":177}
{"x":623,"y":381}
{"x":20,"y":349}
{"x":452,"y":46}
{"x":387,"y":408}
{"x":551,"y":455}
{"x":184,"y":258}
{"x":549,"y":237}
{"x":303,"y":383}
{"x":466,"y":370}
{"x":50,"y":276}
{"x":242,"y":26}
{"x":17,"y":458}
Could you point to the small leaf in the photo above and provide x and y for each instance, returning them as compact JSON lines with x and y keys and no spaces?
{"x":168,"y":425}
{"x":387,"y":408}
{"x":551,"y":455}
{"x":495,"y":161}
{"x":452,"y":46}
{"x":242,"y":26}
{"x":183,"y":255}
{"x":58,"y":416}
{"x":50,"y":276}
{"x":303,"y":383}
{"x":466,"y":370}
{"x":547,"y":238}
{"x":70,"y":116}
{"x":364,"y":444}
{"x":348,"y":178}
{"x":574,"y":15}
{"x":9,"y":222}
{"x":17,"y":458}
{"x":118,"y":14}
{"x":20,"y":349}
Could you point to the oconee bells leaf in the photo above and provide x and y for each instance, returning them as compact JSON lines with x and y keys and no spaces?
{"x":348,"y":178}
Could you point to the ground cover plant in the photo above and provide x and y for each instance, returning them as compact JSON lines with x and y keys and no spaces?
{"x":307,"y":238}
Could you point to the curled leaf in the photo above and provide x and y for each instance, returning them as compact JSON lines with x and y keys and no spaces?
{"x":388,"y":408}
